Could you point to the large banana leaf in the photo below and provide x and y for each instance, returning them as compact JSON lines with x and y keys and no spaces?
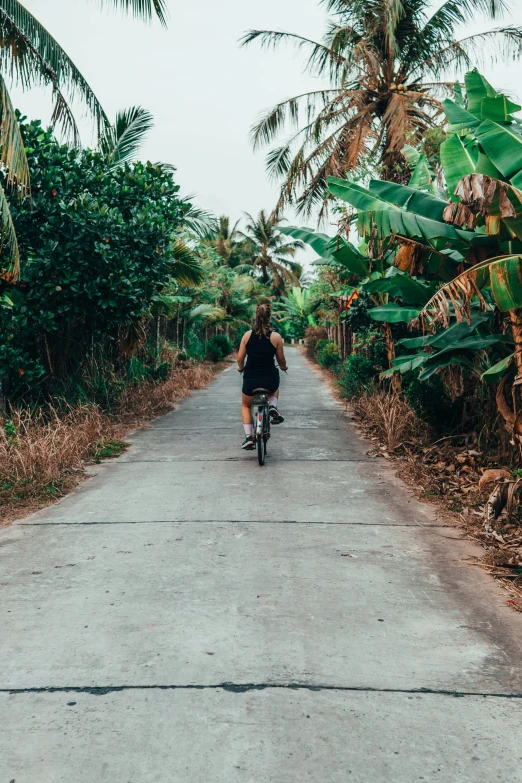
{"x":477,"y":89}
{"x":394,"y":313}
{"x":495,"y":373}
{"x":320,"y":243}
{"x":502,"y":275}
{"x":457,"y":161}
{"x":381,"y":209}
{"x":447,"y":337}
{"x":458,"y":117}
{"x":418,"y":202}
{"x":332,"y":249}
{"x":458,"y":351}
{"x":381,"y":195}
{"x":499,"y":109}
{"x":422,"y":177}
{"x":414,"y":292}
{"x":503,"y":146}
{"x":346,"y":255}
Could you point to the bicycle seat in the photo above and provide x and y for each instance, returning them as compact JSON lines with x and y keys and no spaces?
{"x":261,"y":391}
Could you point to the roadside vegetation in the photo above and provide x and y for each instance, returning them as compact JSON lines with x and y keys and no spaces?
{"x":417,"y":313}
{"x":127,"y":297}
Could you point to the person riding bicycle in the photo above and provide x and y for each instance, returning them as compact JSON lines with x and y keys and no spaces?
{"x":259,"y":346}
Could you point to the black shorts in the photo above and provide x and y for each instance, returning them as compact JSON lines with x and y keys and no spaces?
{"x":251,"y":382}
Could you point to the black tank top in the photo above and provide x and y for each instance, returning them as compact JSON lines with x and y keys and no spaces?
{"x":260,"y":353}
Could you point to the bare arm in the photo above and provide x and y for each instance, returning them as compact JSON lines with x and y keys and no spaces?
{"x":277,"y":342}
{"x":241,"y":354}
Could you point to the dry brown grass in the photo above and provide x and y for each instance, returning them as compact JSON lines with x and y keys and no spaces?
{"x":152,"y":399}
{"x":43,"y":451}
{"x":390,"y":417}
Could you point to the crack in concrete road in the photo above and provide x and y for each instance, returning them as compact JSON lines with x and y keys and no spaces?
{"x":233,"y":687}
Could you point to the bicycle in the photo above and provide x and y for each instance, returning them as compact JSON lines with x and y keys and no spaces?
{"x":261,"y":422}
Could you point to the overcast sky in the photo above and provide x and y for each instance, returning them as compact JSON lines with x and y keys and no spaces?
{"x":202,"y":88}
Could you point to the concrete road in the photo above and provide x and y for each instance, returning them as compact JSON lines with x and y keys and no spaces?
{"x":189,"y":617}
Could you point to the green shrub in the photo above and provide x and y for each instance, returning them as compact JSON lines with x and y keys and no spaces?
{"x":358,"y":376}
{"x":219,"y":347}
{"x":328,"y":355}
{"x":195,"y":347}
{"x":159,"y":372}
{"x":430,"y":401}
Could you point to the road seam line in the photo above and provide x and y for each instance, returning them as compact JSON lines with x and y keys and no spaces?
{"x":235,"y":522}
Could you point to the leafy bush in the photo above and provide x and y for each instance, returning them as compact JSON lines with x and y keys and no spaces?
{"x":219,"y":347}
{"x":430,"y":401}
{"x":357,"y":376}
{"x":328,"y":355}
{"x":96,"y":247}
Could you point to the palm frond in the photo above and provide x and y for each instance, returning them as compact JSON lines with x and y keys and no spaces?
{"x":207,"y":312}
{"x":121,"y":142}
{"x":288,"y":111}
{"x":63,"y":117}
{"x":502,"y":43}
{"x":201,"y":221}
{"x":454,"y":12}
{"x":9,"y":250}
{"x":321,"y":59}
{"x":31,"y":55}
{"x":12,"y":153}
{"x":141,"y":9}
{"x":392,"y":12}
{"x":184,"y":265}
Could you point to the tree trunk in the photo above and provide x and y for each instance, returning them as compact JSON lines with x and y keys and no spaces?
{"x":515,"y":317}
{"x":348,"y":341}
{"x":390,"y":354}
{"x":340,"y":346}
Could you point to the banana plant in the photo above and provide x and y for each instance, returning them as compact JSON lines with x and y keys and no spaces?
{"x":458,"y":344}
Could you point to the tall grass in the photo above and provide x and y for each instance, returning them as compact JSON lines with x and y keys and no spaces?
{"x":390,"y":417}
{"x":43,"y":449}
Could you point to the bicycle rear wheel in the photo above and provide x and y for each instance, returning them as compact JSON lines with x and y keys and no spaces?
{"x":261,"y":441}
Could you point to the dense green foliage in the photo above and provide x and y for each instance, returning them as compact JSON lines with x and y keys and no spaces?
{"x":438,"y":269}
{"x":96,"y":246}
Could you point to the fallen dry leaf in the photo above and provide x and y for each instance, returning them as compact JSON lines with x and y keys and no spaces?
{"x":492,"y":475}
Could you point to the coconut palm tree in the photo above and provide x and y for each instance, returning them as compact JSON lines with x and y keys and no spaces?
{"x":31,"y":57}
{"x":227,"y":242}
{"x":385,"y":60}
{"x":294,"y":310}
{"x":270,"y":253}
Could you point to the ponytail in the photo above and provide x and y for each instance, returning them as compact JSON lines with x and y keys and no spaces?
{"x":262,"y":322}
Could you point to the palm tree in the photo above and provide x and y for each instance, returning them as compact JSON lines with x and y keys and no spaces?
{"x":270,"y":253}
{"x":227,"y":242}
{"x":384,"y":59}
{"x":32,"y":57}
{"x":294,"y":309}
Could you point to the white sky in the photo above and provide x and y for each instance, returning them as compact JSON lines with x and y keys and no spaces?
{"x":202,"y":88}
